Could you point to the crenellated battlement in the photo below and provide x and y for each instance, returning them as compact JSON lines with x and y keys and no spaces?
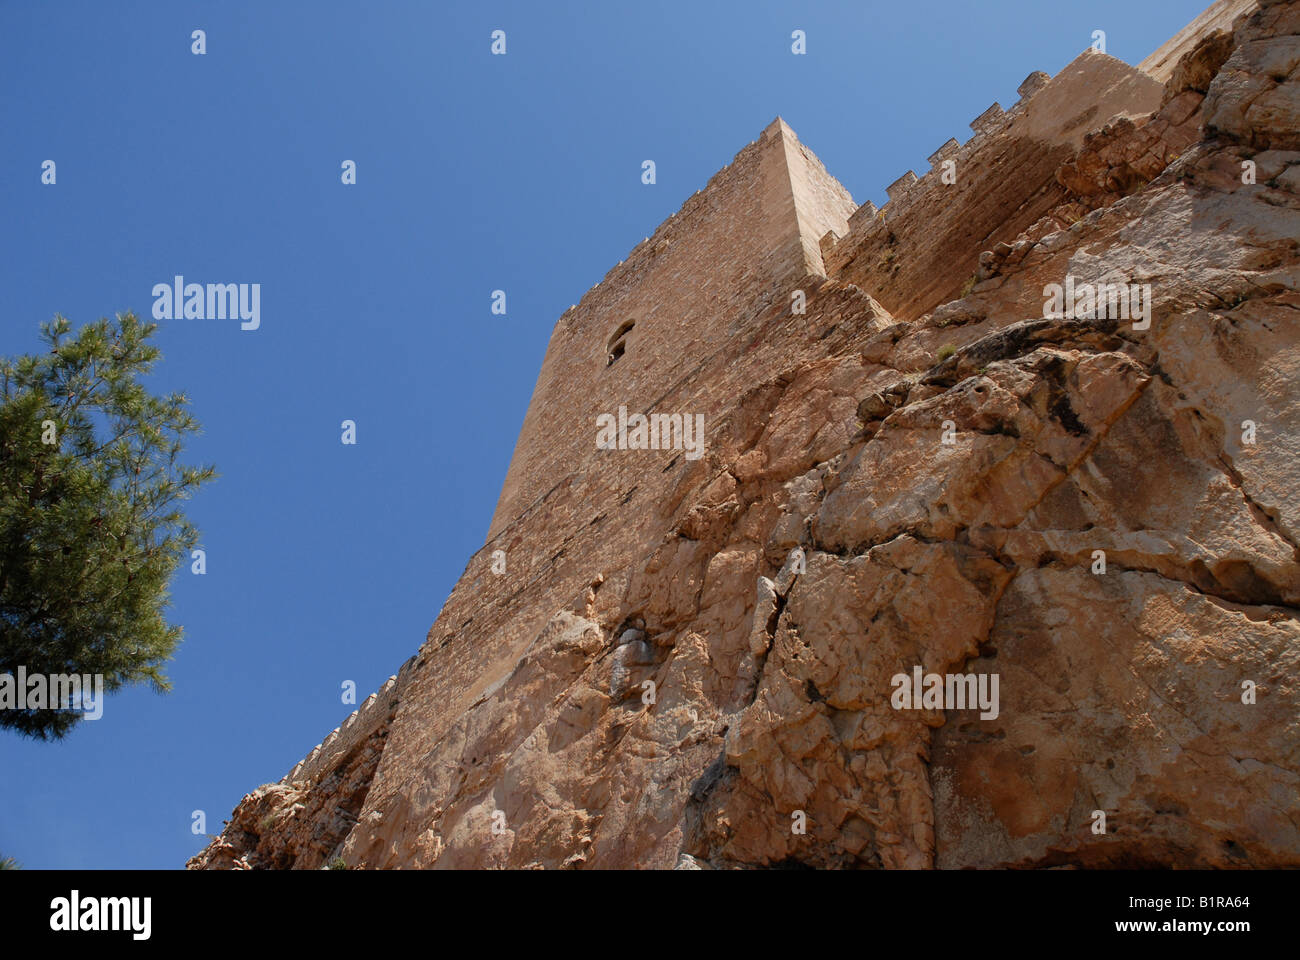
{"x":912,"y":252}
{"x":909,"y":186}
{"x":360,"y":724}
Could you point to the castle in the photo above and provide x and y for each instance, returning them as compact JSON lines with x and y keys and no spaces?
{"x":659,"y":659}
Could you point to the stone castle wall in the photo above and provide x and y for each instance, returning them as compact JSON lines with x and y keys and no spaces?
{"x":373,"y":713}
{"x":915,"y":252}
{"x":706,"y":270}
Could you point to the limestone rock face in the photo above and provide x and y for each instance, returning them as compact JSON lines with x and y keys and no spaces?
{"x":279,"y":826}
{"x":696,"y":665}
{"x":1255,"y":98}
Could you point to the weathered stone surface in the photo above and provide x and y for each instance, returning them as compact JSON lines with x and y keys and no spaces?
{"x":299,"y":824}
{"x":690,"y":664}
{"x":1255,"y":97}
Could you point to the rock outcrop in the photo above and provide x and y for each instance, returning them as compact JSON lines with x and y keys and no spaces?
{"x":693,"y":663}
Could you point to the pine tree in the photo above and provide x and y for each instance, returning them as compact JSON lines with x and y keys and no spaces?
{"x":90,"y":528}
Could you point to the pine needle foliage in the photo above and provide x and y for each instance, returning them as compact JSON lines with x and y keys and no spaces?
{"x":91,"y":529}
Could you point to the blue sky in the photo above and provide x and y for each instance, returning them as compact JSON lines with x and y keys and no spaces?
{"x":475,"y":172}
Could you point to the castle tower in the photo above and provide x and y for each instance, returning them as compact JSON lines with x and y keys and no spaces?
{"x":731,"y":250}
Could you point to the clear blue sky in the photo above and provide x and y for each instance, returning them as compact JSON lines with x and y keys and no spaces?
{"x":329,"y":562}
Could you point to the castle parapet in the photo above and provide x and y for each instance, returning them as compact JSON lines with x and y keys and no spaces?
{"x":989,"y":120}
{"x":863,"y":216}
{"x":1032,"y":84}
{"x":994,"y":185}
{"x":947,"y":151}
{"x":901,"y":186}
{"x":359,"y":725}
